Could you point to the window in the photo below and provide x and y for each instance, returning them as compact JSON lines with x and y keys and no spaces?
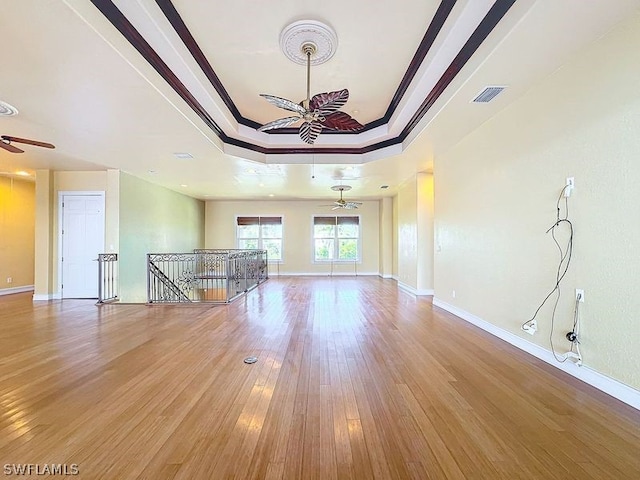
{"x":336,"y":239}
{"x":263,"y":233}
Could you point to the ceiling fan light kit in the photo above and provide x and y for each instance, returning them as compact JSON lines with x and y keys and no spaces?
{"x":311,"y":43}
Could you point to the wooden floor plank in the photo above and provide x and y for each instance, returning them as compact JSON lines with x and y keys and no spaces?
{"x":354,"y":379}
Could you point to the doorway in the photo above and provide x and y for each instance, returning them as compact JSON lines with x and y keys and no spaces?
{"x":81,"y":239}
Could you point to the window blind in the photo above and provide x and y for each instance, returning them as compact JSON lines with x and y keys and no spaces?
{"x":336,"y":220}
{"x":243,"y":221}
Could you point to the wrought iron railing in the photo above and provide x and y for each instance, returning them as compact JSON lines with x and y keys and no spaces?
{"x":107,"y":277}
{"x":207,"y":275}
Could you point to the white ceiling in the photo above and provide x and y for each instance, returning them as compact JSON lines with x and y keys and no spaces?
{"x":78,"y":83}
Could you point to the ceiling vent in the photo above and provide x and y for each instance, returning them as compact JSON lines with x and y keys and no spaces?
{"x":488,"y":94}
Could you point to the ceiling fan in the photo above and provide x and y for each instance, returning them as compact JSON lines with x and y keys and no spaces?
{"x":342,"y":203}
{"x":7,"y":140}
{"x":318,"y":112}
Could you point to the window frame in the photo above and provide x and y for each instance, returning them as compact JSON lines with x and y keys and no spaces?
{"x":336,"y":238}
{"x":260,"y":238}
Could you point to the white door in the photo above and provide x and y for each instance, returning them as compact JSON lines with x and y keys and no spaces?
{"x":82,"y":241}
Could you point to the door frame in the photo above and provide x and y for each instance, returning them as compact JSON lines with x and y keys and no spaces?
{"x":61,"y":195}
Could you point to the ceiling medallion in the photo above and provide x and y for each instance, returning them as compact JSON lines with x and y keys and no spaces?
{"x":7,"y":110}
{"x":322,"y":36}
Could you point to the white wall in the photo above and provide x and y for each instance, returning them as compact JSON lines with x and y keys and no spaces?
{"x":496,"y":196}
{"x":297,"y":232}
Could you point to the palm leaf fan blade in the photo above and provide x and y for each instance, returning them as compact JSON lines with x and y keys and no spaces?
{"x":329,"y":102}
{"x":342,"y":121}
{"x":309,"y":131}
{"x":280,"y":123}
{"x":284,"y":103}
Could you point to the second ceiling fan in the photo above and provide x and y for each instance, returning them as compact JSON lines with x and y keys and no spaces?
{"x":341,"y":203}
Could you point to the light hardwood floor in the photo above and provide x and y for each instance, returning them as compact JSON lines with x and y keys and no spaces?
{"x":355,"y":379}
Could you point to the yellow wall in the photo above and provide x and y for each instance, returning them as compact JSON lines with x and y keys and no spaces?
{"x":496,"y":196}
{"x":414,"y":237}
{"x":153,"y":219}
{"x":17,"y":232}
{"x":297,"y":232}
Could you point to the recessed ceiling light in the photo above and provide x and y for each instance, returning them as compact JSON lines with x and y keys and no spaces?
{"x":251,"y":171}
{"x":7,"y":110}
{"x":182,"y":155}
{"x":384,"y":187}
{"x":271,"y":195}
{"x":152,"y":172}
{"x":183,"y":185}
{"x":262,"y":184}
{"x":22,"y":173}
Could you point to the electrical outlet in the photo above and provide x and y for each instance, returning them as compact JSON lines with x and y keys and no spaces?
{"x":573,"y":357}
{"x":580,"y":295}
{"x":9,"y":279}
{"x":453,"y":294}
{"x":569,"y":186}
{"x":531,"y":327}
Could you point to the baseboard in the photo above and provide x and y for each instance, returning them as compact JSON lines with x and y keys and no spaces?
{"x":386,"y":276}
{"x":12,"y":290}
{"x":414,"y":291}
{"x":322,"y":274}
{"x":43,"y":297}
{"x":616,"y":389}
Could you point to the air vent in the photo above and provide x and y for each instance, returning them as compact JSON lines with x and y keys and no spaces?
{"x":488,"y":94}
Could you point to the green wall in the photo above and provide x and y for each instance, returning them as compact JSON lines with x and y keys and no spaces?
{"x":153,"y":219}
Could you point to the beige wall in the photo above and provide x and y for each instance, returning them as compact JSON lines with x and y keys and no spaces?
{"x":49,"y":184}
{"x":424,"y":221}
{"x":496,"y":196}
{"x":394,"y":239}
{"x":414,"y":238}
{"x":17,"y":232}
{"x":407,"y":234}
{"x":297,"y":233}
{"x":43,"y":265}
{"x":153,"y":219}
{"x":386,"y":237}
